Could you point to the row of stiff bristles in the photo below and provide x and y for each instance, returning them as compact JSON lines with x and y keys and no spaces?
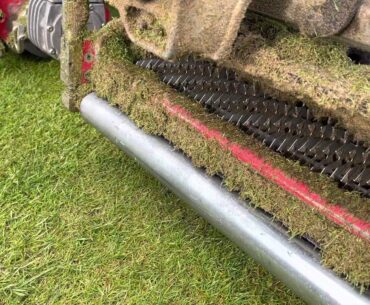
{"x":290,"y":129}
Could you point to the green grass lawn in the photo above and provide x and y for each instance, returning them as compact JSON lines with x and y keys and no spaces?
{"x":81,"y":223}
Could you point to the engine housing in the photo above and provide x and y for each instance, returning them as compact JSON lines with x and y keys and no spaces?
{"x":44,"y":24}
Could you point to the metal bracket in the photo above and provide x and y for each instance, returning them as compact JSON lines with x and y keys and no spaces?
{"x":172,"y":28}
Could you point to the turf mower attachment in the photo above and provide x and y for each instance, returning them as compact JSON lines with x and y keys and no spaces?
{"x":267,"y":104}
{"x":271,"y":96}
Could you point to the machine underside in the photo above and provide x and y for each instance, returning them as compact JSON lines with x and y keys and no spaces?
{"x":272,"y":96}
{"x":172,"y":28}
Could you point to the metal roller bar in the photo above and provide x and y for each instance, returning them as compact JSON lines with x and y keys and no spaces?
{"x":246,"y":226}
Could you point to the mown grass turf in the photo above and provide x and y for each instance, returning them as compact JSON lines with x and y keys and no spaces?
{"x":81,"y":223}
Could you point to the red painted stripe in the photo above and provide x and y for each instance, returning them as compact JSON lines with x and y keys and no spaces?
{"x":334,"y":212}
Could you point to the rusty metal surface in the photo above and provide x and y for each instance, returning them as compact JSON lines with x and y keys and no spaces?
{"x":171,"y":28}
{"x":312,"y":17}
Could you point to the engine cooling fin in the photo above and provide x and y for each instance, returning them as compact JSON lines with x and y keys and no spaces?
{"x":287,"y":128}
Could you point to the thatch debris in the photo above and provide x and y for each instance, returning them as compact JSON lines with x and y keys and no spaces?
{"x":289,"y":66}
{"x":75,"y":17}
{"x":139,"y":94}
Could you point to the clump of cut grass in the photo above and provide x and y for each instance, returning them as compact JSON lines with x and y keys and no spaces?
{"x":139,"y":94}
{"x":317,"y":71}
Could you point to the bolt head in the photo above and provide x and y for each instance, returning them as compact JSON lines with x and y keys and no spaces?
{"x":50,"y":28}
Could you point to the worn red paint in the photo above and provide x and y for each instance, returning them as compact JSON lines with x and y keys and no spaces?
{"x":334,"y":212}
{"x":108,"y":15}
{"x":9,"y":10}
{"x":88,"y":51}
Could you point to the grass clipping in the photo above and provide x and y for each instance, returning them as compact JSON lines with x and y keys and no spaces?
{"x":317,"y":71}
{"x":139,"y":93}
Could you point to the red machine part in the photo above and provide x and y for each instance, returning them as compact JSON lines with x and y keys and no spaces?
{"x":88,"y":50}
{"x":89,"y":53}
{"x":108,"y":15}
{"x":8,"y":13}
